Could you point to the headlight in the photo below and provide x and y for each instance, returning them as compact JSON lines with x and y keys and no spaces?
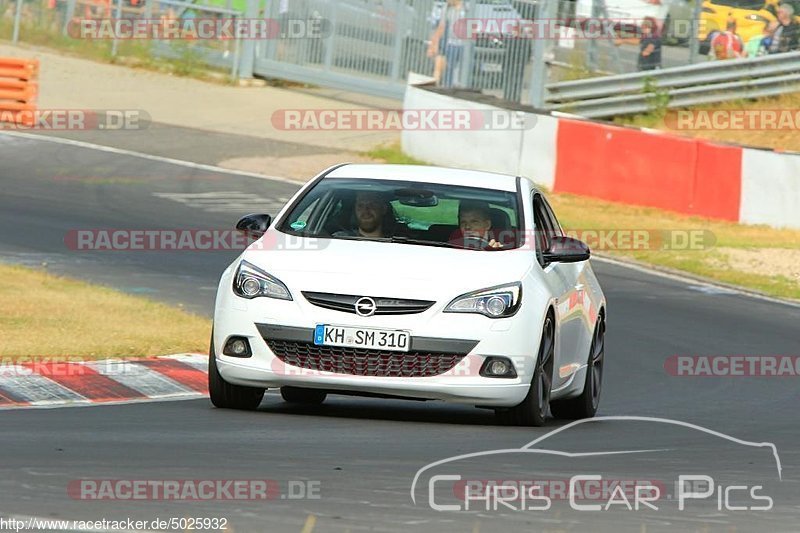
{"x":494,"y":302}
{"x":757,"y":18}
{"x":252,"y":282}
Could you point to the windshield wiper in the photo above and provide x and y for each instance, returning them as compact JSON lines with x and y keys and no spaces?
{"x":408,"y":240}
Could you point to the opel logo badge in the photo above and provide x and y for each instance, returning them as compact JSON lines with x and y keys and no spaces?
{"x":365,"y":306}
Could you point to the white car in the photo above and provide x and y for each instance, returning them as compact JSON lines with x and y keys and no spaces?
{"x":412,"y":282}
{"x":672,"y":16}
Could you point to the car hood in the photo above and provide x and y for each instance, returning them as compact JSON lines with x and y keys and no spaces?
{"x":378,"y":268}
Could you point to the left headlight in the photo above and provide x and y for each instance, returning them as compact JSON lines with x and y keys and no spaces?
{"x":495,"y":302}
{"x":252,"y":282}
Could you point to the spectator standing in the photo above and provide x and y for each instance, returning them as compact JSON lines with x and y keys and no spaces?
{"x":786,"y":32}
{"x":445,"y":45}
{"x":649,"y":45}
{"x":727,"y":44}
{"x":758,"y":45}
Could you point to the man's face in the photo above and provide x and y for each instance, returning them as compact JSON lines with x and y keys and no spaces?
{"x":783,"y":16}
{"x":370,"y":210}
{"x":474,"y":223}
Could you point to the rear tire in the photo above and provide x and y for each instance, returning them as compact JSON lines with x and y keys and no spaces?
{"x":227,"y":395}
{"x":303,"y":396}
{"x":533,"y":409}
{"x":585,"y":405}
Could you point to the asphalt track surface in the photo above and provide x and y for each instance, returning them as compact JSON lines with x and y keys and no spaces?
{"x":363,"y":454}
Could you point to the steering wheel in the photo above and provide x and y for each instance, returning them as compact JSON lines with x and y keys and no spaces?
{"x":476,"y":243}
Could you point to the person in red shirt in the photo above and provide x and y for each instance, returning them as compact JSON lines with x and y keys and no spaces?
{"x":726,"y":44}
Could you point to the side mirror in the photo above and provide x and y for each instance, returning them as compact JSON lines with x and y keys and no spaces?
{"x":566,"y":250}
{"x":254,"y":225}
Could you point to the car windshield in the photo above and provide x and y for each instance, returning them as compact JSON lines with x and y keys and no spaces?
{"x":407,"y":212}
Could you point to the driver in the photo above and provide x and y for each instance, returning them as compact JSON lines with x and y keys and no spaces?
{"x":371,"y":209}
{"x":475,"y":225}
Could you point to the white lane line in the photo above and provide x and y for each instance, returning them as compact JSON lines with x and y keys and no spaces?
{"x":221,"y":201}
{"x":141,"y":378}
{"x":36,"y":389}
{"x":59,"y":405}
{"x":160,"y":159}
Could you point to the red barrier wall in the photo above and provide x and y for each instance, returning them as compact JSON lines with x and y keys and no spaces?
{"x":636,"y":167}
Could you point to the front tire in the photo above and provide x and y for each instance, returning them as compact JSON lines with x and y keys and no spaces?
{"x":303,"y":396}
{"x":227,"y":395}
{"x":585,"y":405}
{"x":533,"y":409}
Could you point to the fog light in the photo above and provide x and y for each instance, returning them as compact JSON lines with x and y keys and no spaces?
{"x":237,"y":347}
{"x":498,"y":367}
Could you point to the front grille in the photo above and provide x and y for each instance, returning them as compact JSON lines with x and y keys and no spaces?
{"x":383,"y":306}
{"x":362,"y":361}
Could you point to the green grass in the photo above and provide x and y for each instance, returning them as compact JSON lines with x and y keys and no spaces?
{"x":392,"y":154}
{"x":76,"y":319}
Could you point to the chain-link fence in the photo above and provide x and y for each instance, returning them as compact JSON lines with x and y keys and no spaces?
{"x":166,"y":29}
{"x":506,"y":48}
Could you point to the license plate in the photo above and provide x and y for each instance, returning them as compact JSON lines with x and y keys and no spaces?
{"x":491,"y":67}
{"x":349,"y":337}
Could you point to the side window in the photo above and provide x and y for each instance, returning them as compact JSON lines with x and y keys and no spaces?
{"x":543,"y":229}
{"x":554,"y":225}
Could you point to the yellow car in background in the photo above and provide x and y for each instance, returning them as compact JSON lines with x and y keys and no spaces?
{"x":751,"y":16}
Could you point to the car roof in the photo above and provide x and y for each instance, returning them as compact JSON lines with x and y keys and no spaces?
{"x":430,"y":174}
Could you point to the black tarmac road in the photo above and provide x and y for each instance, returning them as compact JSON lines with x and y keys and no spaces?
{"x":357,"y":458}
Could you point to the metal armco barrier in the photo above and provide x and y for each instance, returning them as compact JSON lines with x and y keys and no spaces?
{"x":711,"y":82}
{"x":18,"y":90}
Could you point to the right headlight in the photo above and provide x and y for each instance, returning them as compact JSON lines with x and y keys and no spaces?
{"x":252,"y":282}
{"x":495,"y":302}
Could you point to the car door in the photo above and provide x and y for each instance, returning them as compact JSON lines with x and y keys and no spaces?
{"x":576,"y":326}
{"x":559,"y":284}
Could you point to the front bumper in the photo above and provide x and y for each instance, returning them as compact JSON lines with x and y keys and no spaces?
{"x":254,"y":319}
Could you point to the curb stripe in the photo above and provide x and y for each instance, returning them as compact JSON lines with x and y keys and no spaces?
{"x":141,"y":378}
{"x":50,"y":384}
{"x":198,"y":361}
{"x":184,"y":374}
{"x":38,"y":389}
{"x":7,"y":398}
{"x":86,"y":381}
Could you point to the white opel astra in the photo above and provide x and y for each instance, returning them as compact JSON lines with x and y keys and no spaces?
{"x":401,"y":281}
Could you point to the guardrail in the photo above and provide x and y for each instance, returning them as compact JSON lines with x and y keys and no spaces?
{"x":18,"y":90}
{"x":715,"y":81}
